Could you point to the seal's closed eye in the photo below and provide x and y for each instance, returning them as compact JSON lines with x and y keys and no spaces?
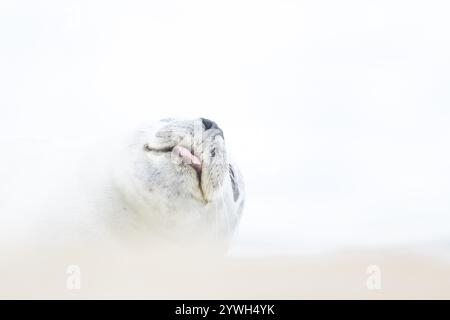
{"x":147,"y":148}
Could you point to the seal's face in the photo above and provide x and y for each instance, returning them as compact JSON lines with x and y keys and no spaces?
{"x":185,"y":158}
{"x":177,"y":179}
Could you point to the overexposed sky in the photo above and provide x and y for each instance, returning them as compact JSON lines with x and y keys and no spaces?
{"x":337,"y":111}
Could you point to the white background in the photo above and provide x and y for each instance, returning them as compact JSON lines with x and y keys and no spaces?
{"x":337,"y":111}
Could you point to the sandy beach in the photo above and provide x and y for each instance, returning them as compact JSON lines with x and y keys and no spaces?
{"x":137,"y":275}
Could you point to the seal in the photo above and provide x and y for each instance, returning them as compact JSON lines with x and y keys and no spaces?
{"x":175,"y":179}
{"x":171,"y":180}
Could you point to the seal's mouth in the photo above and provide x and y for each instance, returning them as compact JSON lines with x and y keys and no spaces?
{"x":181,"y":154}
{"x":188,"y":158}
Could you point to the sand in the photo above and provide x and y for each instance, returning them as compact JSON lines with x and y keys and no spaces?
{"x":103,"y":273}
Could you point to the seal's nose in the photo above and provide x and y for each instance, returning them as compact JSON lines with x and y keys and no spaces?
{"x":209,"y":125}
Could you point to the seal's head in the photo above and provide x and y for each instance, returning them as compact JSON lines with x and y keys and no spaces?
{"x":192,"y":152}
{"x":181,"y":173}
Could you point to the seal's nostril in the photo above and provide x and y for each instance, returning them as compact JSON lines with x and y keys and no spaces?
{"x":208,"y":124}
